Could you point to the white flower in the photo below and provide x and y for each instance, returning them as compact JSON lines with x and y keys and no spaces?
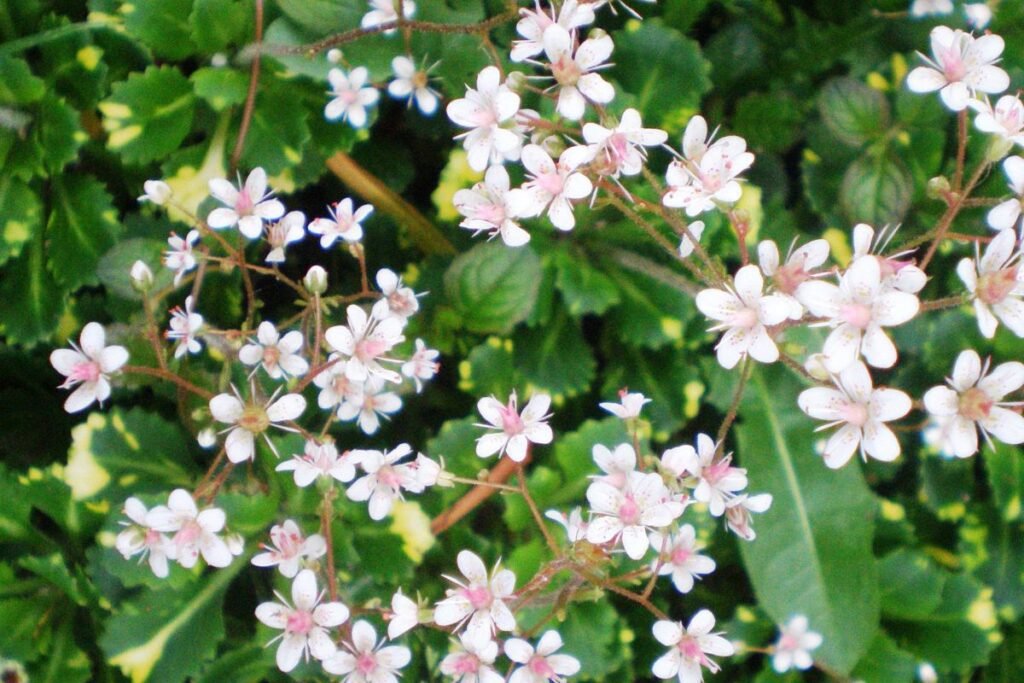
{"x":540,"y":665}
{"x":89,"y":367}
{"x":699,"y":186}
{"x":489,"y":111}
{"x":291,"y":228}
{"x":246,"y":206}
{"x":306,"y":626}
{"x":896,"y":271}
{"x":628,"y":513}
{"x":974,"y":402}
{"x":369,"y":404}
{"x":351,"y":96}
{"x":619,"y":466}
{"x":534,"y":22}
{"x":383,"y":12}
{"x":737,"y":513}
{"x":696,"y":141}
{"x":690,"y":648}
{"x":575,"y":527}
{"x":194,"y":532}
{"x":680,"y":556}
{"x":515,"y":429}
{"x":490,"y":206}
{"x":278,"y":355}
{"x":745,"y":313}
{"x":422,"y":365}
{"x":335,"y":387}
{"x":551,"y":186}
{"x":366,"y":660}
{"x":996,"y":284}
{"x":793,"y":647}
{"x":364,"y":342}
{"x":180,"y":258}
{"x":862,"y":412}
{"x":1005,"y":120}
{"x":319,"y":460}
{"x":615,"y":151}
{"x":962,"y":66}
{"x":797,"y":269}
{"x":156,"y":191}
{"x":479,"y":603}
{"x":573,"y":69}
{"x":405,"y":615}
{"x":139,"y":538}
{"x":1006,"y":215}
{"x":384,"y":479}
{"x":398,"y":301}
{"x":289,"y":548}
{"x":858,"y":308}
{"x":185,"y":325}
{"x":686,"y":245}
{"x":413,"y":84}
{"x":473,"y":662}
{"x":920,"y":8}
{"x":344,"y":223}
{"x":978,"y":14}
{"x":628,"y":407}
{"x":251,"y":419}
{"x":717,"y":480}
{"x":141,"y":276}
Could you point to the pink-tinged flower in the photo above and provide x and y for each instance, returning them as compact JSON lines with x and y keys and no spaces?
{"x":699,"y":186}
{"x":922,"y":8}
{"x":540,"y":665}
{"x":138,"y":538}
{"x":364,"y":341}
{"x":345,"y":223}
{"x":319,"y":460}
{"x":793,"y":648}
{"x":860,"y":411}
{"x":745,"y":313}
{"x":184,"y":327}
{"x":156,"y":191}
{"x":717,"y":481}
{"x":573,"y":68}
{"x":194,"y":532}
{"x":738,"y":517}
{"x":335,"y":386}
{"x":627,"y":514}
{"x":405,"y":615}
{"x":619,"y":466}
{"x":1006,"y":215}
{"x":306,"y":626}
{"x":422,"y":365}
{"x":278,"y":355}
{"x":798,"y":269}
{"x":351,"y":96}
{"x":858,"y":309}
{"x":552,"y":187}
{"x":690,"y":648}
{"x":479,"y":603}
{"x":615,"y":151}
{"x":696,"y":141}
{"x":491,"y":207}
{"x":179,"y":257}
{"x":897,"y":270}
{"x":534,"y":22}
{"x":472,"y":661}
{"x":680,"y":556}
{"x":364,"y":660}
{"x":1005,"y":120}
{"x":516,"y":430}
{"x":575,"y":527}
{"x":975,"y":401}
{"x":253,"y":418}
{"x":386,"y":477}
{"x":369,"y":405}
{"x":247,"y":206}
{"x":489,"y":111}
{"x":628,"y":407}
{"x":289,"y":549}
{"x":291,"y":228}
{"x":383,"y":12}
{"x":962,"y":66}
{"x":996,"y":284}
{"x":413,"y":84}
{"x":88,"y":367}
{"x":399,"y":301}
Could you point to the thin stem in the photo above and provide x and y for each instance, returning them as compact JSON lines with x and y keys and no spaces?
{"x":951,"y":213}
{"x":948,"y":302}
{"x":250,"y":96}
{"x":734,"y":408}
{"x":326,"y":515}
{"x":153,"y":332}
{"x":168,"y":376}
{"x":477,"y":482}
{"x":474,"y":497}
{"x":961,"y":148}
{"x":537,"y":517}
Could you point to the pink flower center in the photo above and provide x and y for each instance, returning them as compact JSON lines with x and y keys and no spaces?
{"x":565,"y":70}
{"x":975,"y":404}
{"x":855,"y":414}
{"x":710,"y":180}
{"x":994,"y":287}
{"x":289,"y":544}
{"x":188,"y":534}
{"x":348,"y":96}
{"x":479,"y":596}
{"x":244,"y":204}
{"x":511,"y":423}
{"x":492,"y":213}
{"x":857,"y":315}
{"x":484,"y":117}
{"x":629,"y":511}
{"x":86,"y":371}
{"x":680,"y":555}
{"x":366,"y":663}
{"x":369,"y":349}
{"x":952,"y":62}
{"x":340,"y":385}
{"x":539,"y":666}
{"x":716,"y":472}
{"x":790,"y":276}
{"x":254,"y":419}
{"x":745,"y":318}
{"x":271,"y":354}
{"x":690,"y":649}
{"x":467,"y":664}
{"x":299,"y":621}
{"x":788,"y":642}
{"x":152,"y":538}
{"x":551,"y":183}
{"x":388,"y":476}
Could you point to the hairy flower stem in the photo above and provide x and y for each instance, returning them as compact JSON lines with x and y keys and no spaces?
{"x":250,"y":96}
{"x":326,"y":515}
{"x":170,"y":377}
{"x":951,"y":213}
{"x":537,"y":517}
{"x":734,"y":408}
{"x":475,"y":496}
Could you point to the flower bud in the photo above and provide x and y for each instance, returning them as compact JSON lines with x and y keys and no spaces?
{"x":998,"y":147}
{"x":157,"y":191}
{"x":554,"y":145}
{"x":316,"y":280}
{"x":142,"y":277}
{"x":334,"y":55}
{"x":926,"y":673}
{"x":235,"y":543}
{"x":938,"y":187}
{"x":219,"y":60}
{"x":207,"y":438}
{"x":815,"y":367}
{"x":516,"y":81}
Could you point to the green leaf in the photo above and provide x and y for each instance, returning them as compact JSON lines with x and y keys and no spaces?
{"x":493,"y":287}
{"x":812,"y":554}
{"x":162,"y":26}
{"x":64,"y":662}
{"x":993,"y":551}
{"x":584,"y":288}
{"x":218,"y":24}
{"x":771,"y":122}
{"x":876,"y":190}
{"x":278,"y":133}
{"x":595,"y":634}
{"x":220,"y":87}
{"x":45,"y":138}
{"x":114,"y":268}
{"x":322,"y":16}
{"x":1005,"y":470}
{"x":911,"y":585}
{"x":17,"y":84}
{"x":543,"y":483}
{"x":282,"y":31}
{"x":21,"y":214}
{"x":1006,"y":664}
{"x":853,"y":112}
{"x":885,"y":663}
{"x":652,"y":311}
{"x":556,"y":357}
{"x":30,"y":300}
{"x":20,"y":618}
{"x":574,"y":453}
{"x":664,"y":70}
{"x":489,"y":369}
{"x":165,"y":636}
{"x":81,"y":228}
{"x":148,"y":115}
{"x":247,"y":664}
